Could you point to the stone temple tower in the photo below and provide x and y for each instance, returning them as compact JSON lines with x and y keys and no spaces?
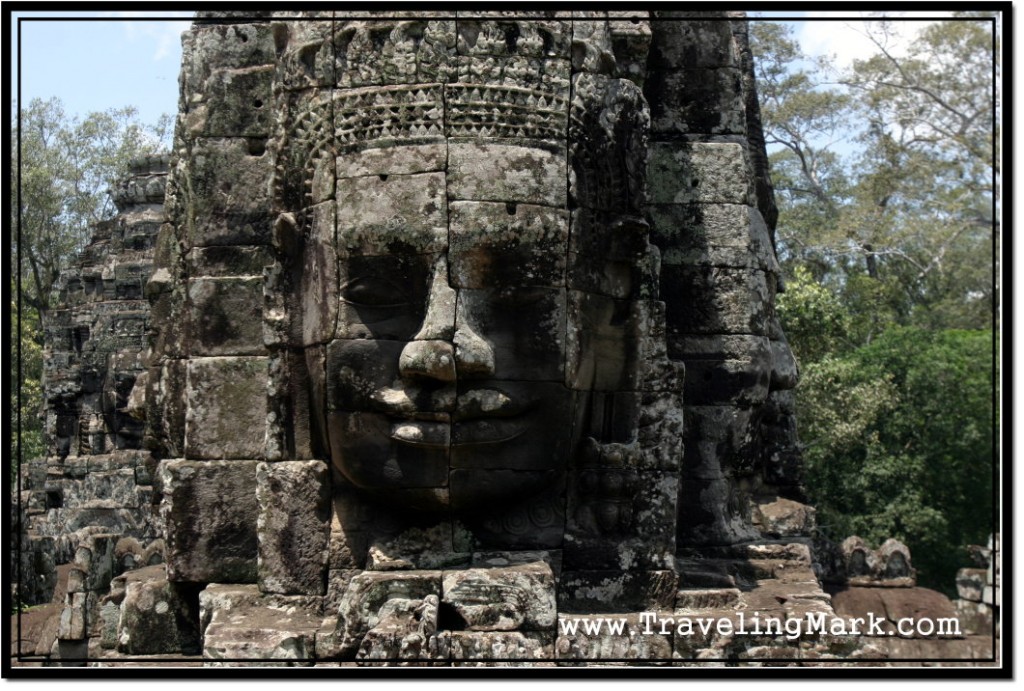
{"x":441,"y":290}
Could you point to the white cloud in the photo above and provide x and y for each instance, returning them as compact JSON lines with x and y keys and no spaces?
{"x":847,"y":39}
{"x":165,"y":33}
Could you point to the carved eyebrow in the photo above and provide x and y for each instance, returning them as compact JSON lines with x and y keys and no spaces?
{"x":381,"y":240}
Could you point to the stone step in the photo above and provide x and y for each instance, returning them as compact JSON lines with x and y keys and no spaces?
{"x":706,"y":598}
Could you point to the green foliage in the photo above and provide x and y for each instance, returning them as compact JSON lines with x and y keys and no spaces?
{"x":815,"y":321}
{"x":911,"y":207}
{"x":899,"y":443}
{"x":30,"y":369}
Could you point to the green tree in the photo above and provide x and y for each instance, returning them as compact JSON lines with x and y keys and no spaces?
{"x":30,"y":369}
{"x":62,"y":170}
{"x":804,"y":119}
{"x":902,"y":225}
{"x":887,"y":249}
{"x":926,"y":202}
{"x":815,"y":321}
{"x":899,"y":443}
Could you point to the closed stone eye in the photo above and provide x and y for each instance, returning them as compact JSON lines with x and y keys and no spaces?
{"x":374,"y":292}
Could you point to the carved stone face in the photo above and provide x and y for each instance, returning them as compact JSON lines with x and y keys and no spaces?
{"x":446,"y":378}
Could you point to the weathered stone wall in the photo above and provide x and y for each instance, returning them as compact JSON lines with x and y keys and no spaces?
{"x":712,"y":215}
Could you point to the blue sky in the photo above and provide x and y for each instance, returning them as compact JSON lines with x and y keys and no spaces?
{"x":96,"y":64}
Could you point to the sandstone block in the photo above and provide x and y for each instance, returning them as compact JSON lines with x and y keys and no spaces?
{"x":293,"y":526}
{"x":520,"y":597}
{"x":695,"y":42}
{"x":229,"y":184}
{"x":706,"y":598}
{"x":224,"y":46}
{"x":604,"y":591}
{"x":706,"y":172}
{"x":975,"y":617}
{"x":621,"y":518}
{"x":238,"y":103}
{"x":394,"y":160}
{"x":369,"y":592}
{"x":227,"y":408}
{"x":785,"y":518}
{"x":226,"y":316}
{"x":479,"y":171}
{"x":156,"y":616}
{"x":713,"y":300}
{"x":228,"y":260}
{"x":612,"y":636}
{"x":739,"y":374}
{"x":406,"y":631}
{"x":260,"y":632}
{"x":708,"y":100}
{"x":417,"y":548}
{"x":211,"y":511}
{"x":501,"y":648}
{"x":493,"y":245}
{"x":73,"y":618}
{"x":731,"y":235}
{"x":307,"y":54}
{"x":378,"y":212}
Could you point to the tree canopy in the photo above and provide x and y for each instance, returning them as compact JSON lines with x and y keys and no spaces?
{"x":885,"y":176}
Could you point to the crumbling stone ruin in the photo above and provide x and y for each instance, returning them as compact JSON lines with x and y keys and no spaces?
{"x":461,"y":341}
{"x":87,"y":503}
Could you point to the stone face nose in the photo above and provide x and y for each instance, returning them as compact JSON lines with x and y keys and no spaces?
{"x":432,"y":359}
{"x":431,"y":354}
{"x":438,"y":351}
{"x":473,"y":355}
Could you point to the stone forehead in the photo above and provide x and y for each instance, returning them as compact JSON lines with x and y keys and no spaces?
{"x":495,"y":180}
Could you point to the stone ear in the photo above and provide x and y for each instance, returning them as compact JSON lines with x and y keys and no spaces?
{"x":287,"y":235}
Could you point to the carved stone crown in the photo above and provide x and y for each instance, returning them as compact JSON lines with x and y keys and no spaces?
{"x":448,"y":110}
